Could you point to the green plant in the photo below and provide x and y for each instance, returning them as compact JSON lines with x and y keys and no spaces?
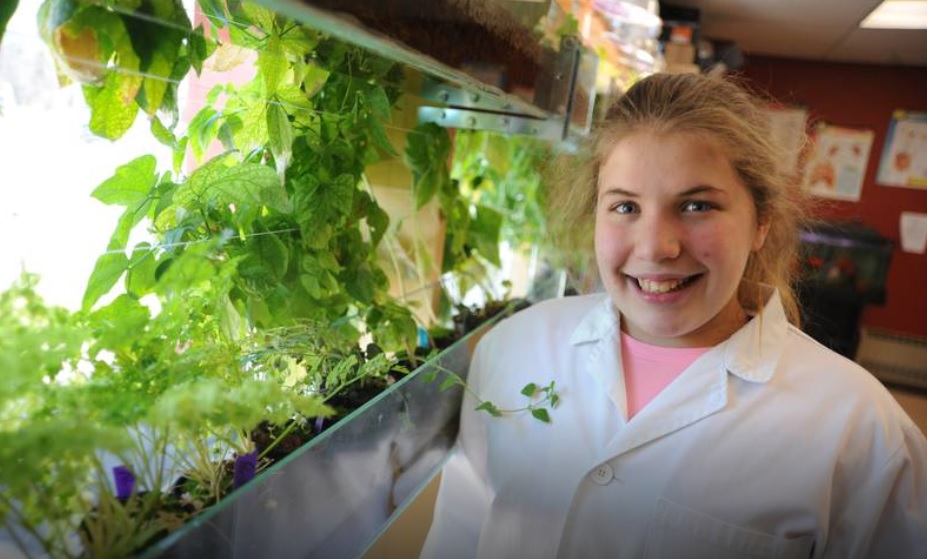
{"x":251,"y":302}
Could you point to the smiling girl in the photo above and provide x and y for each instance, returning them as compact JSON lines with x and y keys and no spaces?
{"x":695,"y":420}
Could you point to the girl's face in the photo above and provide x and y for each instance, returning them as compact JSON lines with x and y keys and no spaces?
{"x":674,"y":227}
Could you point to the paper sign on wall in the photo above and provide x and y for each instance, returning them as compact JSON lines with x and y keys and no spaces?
{"x":838,"y":162}
{"x":913,"y":232}
{"x":787,"y":125}
{"x":904,"y":157}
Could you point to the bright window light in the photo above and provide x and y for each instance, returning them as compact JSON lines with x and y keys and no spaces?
{"x":898,"y":14}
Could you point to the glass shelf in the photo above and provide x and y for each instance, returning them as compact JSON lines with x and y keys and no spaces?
{"x":333,"y":497}
{"x":430,"y":38}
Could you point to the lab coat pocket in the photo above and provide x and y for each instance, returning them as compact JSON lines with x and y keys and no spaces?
{"x":678,"y":532}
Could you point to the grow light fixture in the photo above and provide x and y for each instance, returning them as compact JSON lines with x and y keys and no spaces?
{"x":897,"y":14}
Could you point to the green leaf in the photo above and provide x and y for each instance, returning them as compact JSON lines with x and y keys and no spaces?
{"x":121,"y":322}
{"x":130,"y":185}
{"x":272,"y":65}
{"x":378,"y":103}
{"x":243,"y":184}
{"x":198,"y":48}
{"x":541,"y":415}
{"x":215,"y":11}
{"x":427,"y":149}
{"x":6,"y":12}
{"x":267,"y":254}
{"x":140,"y":277}
{"x":529,"y":390}
{"x":359,"y":283}
{"x":162,"y":133}
{"x":378,"y":220}
{"x":280,"y":133}
{"x":447,"y":383}
{"x":484,"y":233}
{"x":489,"y":408}
{"x":111,"y":114}
{"x":261,"y":17}
{"x":107,"y":271}
{"x":379,"y":137}
{"x":113,"y":106}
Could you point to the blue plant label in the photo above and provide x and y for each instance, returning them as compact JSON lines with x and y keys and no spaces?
{"x":245,"y":466}
{"x":125,"y":482}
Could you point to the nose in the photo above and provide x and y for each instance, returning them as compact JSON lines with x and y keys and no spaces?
{"x":657,"y":238}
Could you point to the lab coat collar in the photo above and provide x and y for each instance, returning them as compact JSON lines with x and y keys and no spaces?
{"x":751,"y":353}
{"x":754,"y":351}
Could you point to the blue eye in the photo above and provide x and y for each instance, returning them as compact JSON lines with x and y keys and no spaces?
{"x":625,"y":208}
{"x":697,"y":206}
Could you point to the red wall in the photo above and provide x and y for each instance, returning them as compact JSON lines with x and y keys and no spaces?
{"x":863,"y":96}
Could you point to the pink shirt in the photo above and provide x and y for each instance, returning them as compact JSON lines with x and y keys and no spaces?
{"x":648,"y":369}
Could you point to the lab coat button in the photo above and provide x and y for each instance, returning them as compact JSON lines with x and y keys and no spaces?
{"x":602,"y":475}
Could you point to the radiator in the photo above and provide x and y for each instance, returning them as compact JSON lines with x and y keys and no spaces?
{"x":891,"y":357}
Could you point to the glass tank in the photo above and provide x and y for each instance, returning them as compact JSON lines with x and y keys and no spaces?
{"x":334,"y":496}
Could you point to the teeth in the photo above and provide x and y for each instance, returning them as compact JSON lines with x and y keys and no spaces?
{"x":659,"y":286}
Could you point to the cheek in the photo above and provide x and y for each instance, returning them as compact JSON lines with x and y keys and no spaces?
{"x":710,"y":243}
{"x":715,"y":244}
{"x":608,"y":245}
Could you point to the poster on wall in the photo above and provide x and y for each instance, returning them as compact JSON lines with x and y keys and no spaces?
{"x":904,"y":157}
{"x":837,"y":165}
{"x":787,"y":125}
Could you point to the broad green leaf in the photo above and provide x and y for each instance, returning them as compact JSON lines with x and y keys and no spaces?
{"x":140,"y":278}
{"x":280,"y":132}
{"x":156,"y":82}
{"x":314,"y":79}
{"x":190,"y":269}
{"x":199,"y":48}
{"x":266,"y":253}
{"x":360,"y":284}
{"x":378,"y":220}
{"x":107,"y":271}
{"x":243,"y":184}
{"x":329,"y":204}
{"x":121,"y":322}
{"x":529,"y":389}
{"x":447,"y":383}
{"x":427,"y":149}
{"x":112,"y":110}
{"x":162,"y":134}
{"x":379,"y":137}
{"x":299,"y":41}
{"x":541,"y":415}
{"x":6,"y":12}
{"x":113,"y":106}
{"x":378,"y":103}
{"x":253,"y":132}
{"x":202,"y":130}
{"x":272,"y":65}
{"x":261,"y":17}
{"x":485,"y":233}
{"x":215,"y":11}
{"x":130,"y":185}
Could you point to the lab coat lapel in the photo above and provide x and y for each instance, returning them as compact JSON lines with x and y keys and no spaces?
{"x":535,"y":531}
{"x":752,"y":354}
{"x":697,"y":393}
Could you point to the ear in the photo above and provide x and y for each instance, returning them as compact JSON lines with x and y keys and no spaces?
{"x":759,"y":238}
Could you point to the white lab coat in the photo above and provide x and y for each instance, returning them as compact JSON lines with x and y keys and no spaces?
{"x":768,"y":445}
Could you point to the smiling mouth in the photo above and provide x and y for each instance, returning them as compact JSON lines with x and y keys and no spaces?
{"x":666,"y":286}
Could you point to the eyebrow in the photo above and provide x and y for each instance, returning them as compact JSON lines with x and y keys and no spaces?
{"x":700,"y":189}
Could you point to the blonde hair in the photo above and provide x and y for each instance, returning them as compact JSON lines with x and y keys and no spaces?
{"x":713,"y":107}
